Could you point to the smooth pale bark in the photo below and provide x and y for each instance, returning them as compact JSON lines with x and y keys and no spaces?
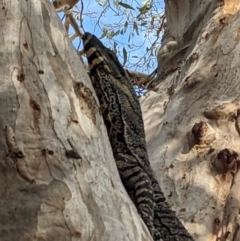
{"x":199,"y":73}
{"x":58,"y":177}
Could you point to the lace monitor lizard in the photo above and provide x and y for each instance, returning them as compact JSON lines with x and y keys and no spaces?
{"x":123,"y":119}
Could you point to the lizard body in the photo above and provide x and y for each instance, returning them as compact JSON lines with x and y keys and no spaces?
{"x":123,"y":119}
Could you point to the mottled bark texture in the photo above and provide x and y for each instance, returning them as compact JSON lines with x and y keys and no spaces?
{"x":192,"y":120}
{"x":58,"y":177}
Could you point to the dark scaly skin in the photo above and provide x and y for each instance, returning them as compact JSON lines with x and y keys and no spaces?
{"x":123,"y":118}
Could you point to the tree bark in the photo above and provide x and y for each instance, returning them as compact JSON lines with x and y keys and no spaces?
{"x":192,"y":120}
{"x":58,"y":177}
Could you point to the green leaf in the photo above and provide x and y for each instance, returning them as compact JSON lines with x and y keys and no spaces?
{"x":144,"y":9}
{"x":114,"y":33}
{"x":124,"y":56}
{"x":152,"y":21}
{"x":117,"y":33}
{"x":105,"y":31}
{"x":125,"y":5}
{"x":139,"y":17}
{"x":103,"y":35}
{"x":129,"y":38}
{"x":111,"y":34}
{"x":135,"y":27}
{"x":144,"y":23}
{"x":115,"y":47}
{"x":125,"y":26}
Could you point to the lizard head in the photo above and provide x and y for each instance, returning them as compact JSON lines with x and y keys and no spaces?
{"x":99,"y":56}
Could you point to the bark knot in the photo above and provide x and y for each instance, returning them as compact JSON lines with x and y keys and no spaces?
{"x":203,"y":133}
{"x":226,"y":161}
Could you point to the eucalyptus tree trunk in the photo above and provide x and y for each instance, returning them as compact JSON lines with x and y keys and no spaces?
{"x":58,"y":177}
{"x":192,"y":119}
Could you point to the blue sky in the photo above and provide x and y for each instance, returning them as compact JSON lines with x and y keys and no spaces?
{"x":114,"y":18}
